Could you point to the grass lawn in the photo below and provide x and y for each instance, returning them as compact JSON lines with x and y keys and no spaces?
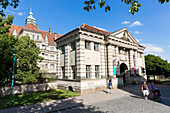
{"x":32,"y":98}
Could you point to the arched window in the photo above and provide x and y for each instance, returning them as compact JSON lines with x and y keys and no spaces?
{"x":27,"y":34}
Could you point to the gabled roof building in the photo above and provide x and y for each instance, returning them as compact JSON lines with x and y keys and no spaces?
{"x":87,"y":57}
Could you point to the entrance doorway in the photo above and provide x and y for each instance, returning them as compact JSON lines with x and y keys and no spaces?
{"x":123,"y":71}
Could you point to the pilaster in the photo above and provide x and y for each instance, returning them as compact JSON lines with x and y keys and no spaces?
{"x":80,"y":62}
{"x":117,"y":61}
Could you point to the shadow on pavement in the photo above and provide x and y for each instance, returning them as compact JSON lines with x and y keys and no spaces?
{"x":61,"y":106}
{"x":137,"y":93}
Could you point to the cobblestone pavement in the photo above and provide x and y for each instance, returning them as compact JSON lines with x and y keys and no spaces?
{"x":126,"y":104}
{"x":132,"y":102}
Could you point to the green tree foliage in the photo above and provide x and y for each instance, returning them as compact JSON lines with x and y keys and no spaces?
{"x":5,"y":3}
{"x":91,"y":4}
{"x":7,"y":43}
{"x":156,"y":66}
{"x":27,"y":57}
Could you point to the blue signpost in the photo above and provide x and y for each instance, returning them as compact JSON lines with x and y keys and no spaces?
{"x":14,"y":54}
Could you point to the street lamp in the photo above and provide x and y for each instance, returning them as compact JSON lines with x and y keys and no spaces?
{"x":14,"y":54}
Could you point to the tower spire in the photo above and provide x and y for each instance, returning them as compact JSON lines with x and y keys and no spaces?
{"x":30,"y":19}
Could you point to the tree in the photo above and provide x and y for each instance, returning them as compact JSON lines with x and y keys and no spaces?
{"x":7,"y":43}
{"x":5,"y":3}
{"x":27,"y":58}
{"x":91,"y":4}
{"x":156,"y":66}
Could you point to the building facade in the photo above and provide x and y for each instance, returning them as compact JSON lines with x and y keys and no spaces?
{"x":43,"y":39}
{"x":87,"y":57}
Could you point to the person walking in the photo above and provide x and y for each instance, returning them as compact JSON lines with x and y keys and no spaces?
{"x":145,"y":90}
{"x":110,"y":86}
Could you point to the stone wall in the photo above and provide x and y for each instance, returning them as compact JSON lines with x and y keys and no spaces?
{"x":28,"y":88}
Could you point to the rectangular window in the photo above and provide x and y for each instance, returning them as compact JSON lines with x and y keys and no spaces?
{"x":46,"y":47}
{"x":37,"y":37}
{"x":97,"y":71}
{"x":73,"y":46}
{"x":33,"y":37}
{"x":87,"y":71}
{"x":46,"y":66}
{"x":52,"y":66}
{"x":46,"y":56}
{"x":63,"y":49}
{"x":51,"y":57}
{"x":73,"y":72}
{"x":63,"y":72}
{"x":96,"y":46}
{"x":38,"y":45}
{"x":87,"y":44}
{"x":51,"y":48}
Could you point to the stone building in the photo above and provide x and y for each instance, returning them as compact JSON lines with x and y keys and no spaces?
{"x":43,"y":39}
{"x":88,"y":56}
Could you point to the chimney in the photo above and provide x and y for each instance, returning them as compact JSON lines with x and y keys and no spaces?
{"x":55,"y":36}
{"x":50,"y":30}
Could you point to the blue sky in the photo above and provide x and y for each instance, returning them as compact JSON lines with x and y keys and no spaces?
{"x":150,"y":26}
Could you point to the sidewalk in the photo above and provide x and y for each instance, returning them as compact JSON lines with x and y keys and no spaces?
{"x":57,"y":105}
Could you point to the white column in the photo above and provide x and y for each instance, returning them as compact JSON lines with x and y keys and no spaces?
{"x":136,"y":62}
{"x":103,"y":61}
{"x":67,"y":61}
{"x":110,"y":61}
{"x":80,"y":59}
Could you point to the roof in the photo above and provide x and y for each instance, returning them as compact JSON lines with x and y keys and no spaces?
{"x":50,"y":36}
{"x":89,"y":28}
{"x":93,"y":29}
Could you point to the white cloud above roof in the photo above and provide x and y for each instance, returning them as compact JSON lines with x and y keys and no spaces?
{"x":136,"y":23}
{"x":152,"y":49}
{"x":125,"y":22}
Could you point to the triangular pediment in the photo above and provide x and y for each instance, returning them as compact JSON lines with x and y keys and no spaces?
{"x":124,"y":34}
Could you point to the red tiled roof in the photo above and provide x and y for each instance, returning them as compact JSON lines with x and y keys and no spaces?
{"x":34,"y":28}
{"x":31,"y":27}
{"x":13,"y":27}
{"x":94,"y":29}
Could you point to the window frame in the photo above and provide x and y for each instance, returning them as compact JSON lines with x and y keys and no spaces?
{"x":63,"y":50}
{"x":73,"y":72}
{"x":51,"y":65}
{"x":38,"y":38}
{"x":88,"y":71}
{"x":97,"y":46}
{"x":46,"y":66}
{"x":63,"y":71}
{"x":45,"y":56}
{"x":73,"y":46}
{"x":51,"y":49}
{"x":51,"y":57}
{"x":87,"y":46}
{"x":97,"y":72}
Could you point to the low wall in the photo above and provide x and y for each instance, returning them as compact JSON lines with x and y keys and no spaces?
{"x":28,"y":88}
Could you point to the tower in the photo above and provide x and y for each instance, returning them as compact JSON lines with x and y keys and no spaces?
{"x":30,"y":19}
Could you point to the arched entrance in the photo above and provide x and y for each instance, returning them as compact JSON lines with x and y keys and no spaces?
{"x":123,"y":70}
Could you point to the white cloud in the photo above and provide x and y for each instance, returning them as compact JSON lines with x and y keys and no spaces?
{"x":168,"y":46}
{"x":125,"y":22}
{"x":152,"y":49}
{"x":137,"y":32}
{"x":136,"y":23}
{"x":20,"y":13}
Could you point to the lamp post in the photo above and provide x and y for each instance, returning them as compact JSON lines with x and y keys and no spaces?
{"x":14,"y":54}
